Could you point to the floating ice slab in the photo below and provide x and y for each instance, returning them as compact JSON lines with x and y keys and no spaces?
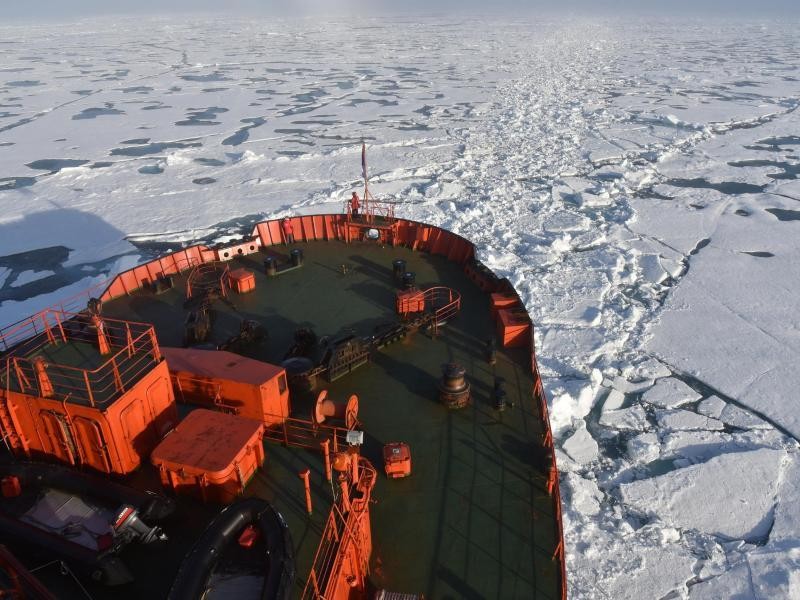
{"x":632,"y":418}
{"x":643,"y":448}
{"x":711,"y":406}
{"x":30,"y":276}
{"x":735,"y":583}
{"x":670,"y":393}
{"x":684,"y":420}
{"x":583,"y":494}
{"x":786,"y":529}
{"x":730,"y":495}
{"x":581,"y":446}
{"x":613,"y":401}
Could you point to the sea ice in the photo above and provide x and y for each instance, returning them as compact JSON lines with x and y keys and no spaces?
{"x":670,"y":393}
{"x":30,"y":276}
{"x":581,"y":446}
{"x":684,"y":420}
{"x":731,"y":495}
{"x":632,"y":418}
{"x":643,"y":448}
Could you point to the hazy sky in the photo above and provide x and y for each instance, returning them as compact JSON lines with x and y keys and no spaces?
{"x":65,"y":9}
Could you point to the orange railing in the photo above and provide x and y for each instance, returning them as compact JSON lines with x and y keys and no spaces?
{"x":346,"y":535}
{"x":372,"y":209}
{"x":305,"y":434}
{"x":207,"y":278}
{"x":445,"y":303}
{"x":133,"y":347}
{"x":553,"y":487}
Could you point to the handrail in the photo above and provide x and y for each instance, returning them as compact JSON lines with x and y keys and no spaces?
{"x":302,"y":433}
{"x":123,"y":368}
{"x":342,"y":531}
{"x":198,"y":278}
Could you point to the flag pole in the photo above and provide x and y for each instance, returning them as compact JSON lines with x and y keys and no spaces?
{"x":366,"y":179}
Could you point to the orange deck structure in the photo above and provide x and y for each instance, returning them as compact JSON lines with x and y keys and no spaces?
{"x":230,"y":382}
{"x":513,"y":327}
{"x":210,"y":454}
{"x":242,"y":281}
{"x":83,"y":390}
{"x":503,"y":301}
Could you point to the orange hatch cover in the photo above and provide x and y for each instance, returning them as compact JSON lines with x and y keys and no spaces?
{"x":220,"y":364}
{"x":210,"y":454}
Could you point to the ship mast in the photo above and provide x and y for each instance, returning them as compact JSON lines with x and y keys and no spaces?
{"x":366,"y":181}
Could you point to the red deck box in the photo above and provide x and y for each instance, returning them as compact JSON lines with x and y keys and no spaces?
{"x":397,"y":460}
{"x":242,"y":280}
{"x":11,"y":486}
{"x":513,"y":326}
{"x":211,"y":455}
{"x":501,"y":301}
{"x":410,"y":301}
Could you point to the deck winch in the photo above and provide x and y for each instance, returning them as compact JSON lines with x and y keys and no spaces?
{"x":454,"y":389}
{"x":325,"y":409}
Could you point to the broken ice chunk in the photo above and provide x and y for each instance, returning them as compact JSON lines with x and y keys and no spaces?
{"x":670,"y":393}
{"x":730,"y":495}
{"x":584,"y":495}
{"x":581,"y":446}
{"x":614,"y":400}
{"x":711,"y":406}
{"x":731,"y":584}
{"x":738,"y":417}
{"x":685,"y":420}
{"x":651,"y":268}
{"x":633,"y":418}
{"x":643,"y":448}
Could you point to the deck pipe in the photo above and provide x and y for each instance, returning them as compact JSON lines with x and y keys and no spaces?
{"x":326,"y":451}
{"x":305,"y":476}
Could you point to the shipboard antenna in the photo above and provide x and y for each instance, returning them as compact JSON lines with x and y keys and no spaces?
{"x":367,"y":195}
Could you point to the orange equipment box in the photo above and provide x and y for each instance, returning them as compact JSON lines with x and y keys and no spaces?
{"x":242,"y":280}
{"x":410,"y":301}
{"x":210,"y":454}
{"x":513,"y":326}
{"x":227,"y":381}
{"x":500,"y":301}
{"x":397,"y":459}
{"x":11,"y":486}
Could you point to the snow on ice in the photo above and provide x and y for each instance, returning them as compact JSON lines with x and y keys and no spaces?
{"x":636,"y":180}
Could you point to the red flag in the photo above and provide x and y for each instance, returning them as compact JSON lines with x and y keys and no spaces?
{"x":364,"y":160}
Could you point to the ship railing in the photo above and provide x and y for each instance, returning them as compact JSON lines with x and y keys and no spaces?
{"x":34,"y":366}
{"x":445,"y":303}
{"x":345,"y":530}
{"x":373,"y":211}
{"x":208,"y":278}
{"x":552,"y":482}
{"x":302,"y":433}
{"x":442,"y":302}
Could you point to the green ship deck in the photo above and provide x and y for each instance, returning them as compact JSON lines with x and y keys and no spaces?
{"x":474,"y":520}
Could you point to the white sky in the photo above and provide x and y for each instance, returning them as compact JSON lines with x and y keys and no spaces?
{"x":61,"y":9}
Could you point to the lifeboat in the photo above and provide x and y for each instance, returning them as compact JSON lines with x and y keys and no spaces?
{"x":82,"y":519}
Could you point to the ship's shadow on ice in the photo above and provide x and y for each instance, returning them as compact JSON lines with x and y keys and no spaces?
{"x":68,"y":244}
